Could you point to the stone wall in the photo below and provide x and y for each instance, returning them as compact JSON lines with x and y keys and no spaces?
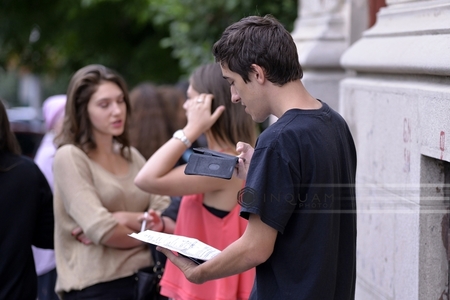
{"x":398,"y":107}
{"x":392,"y":84}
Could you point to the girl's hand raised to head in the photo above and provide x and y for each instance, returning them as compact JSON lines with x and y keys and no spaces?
{"x":198,"y":113}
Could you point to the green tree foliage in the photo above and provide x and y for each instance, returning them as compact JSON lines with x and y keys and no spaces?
{"x":156,"y":40}
{"x":57,"y":37}
{"x":195,"y":25}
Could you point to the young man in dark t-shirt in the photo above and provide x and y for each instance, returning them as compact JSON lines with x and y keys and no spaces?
{"x":299,"y":196}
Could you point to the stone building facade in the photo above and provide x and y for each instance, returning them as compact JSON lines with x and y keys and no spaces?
{"x":391,"y":82}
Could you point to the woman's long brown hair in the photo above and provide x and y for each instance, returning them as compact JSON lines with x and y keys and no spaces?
{"x":77,"y":128}
{"x":234,"y":124}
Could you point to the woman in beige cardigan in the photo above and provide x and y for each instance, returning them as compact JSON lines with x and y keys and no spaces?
{"x":96,"y":203}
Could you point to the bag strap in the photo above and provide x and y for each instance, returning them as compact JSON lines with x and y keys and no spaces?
{"x":159,"y":260}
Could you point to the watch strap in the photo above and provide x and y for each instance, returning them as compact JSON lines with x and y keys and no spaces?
{"x":179,"y":135}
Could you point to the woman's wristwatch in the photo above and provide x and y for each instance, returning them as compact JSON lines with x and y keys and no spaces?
{"x":179,"y":135}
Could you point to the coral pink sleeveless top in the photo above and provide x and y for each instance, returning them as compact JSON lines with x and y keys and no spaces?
{"x":195,"y":221}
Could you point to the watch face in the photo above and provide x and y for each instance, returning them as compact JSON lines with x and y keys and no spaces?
{"x":179,"y":134}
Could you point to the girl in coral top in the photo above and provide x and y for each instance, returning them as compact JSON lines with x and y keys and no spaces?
{"x":209,"y":212}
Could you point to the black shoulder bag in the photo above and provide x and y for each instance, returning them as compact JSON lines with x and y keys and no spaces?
{"x":149,"y":277}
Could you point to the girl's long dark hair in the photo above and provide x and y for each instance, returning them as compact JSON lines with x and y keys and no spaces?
{"x":8,"y":141}
{"x":234,"y":124}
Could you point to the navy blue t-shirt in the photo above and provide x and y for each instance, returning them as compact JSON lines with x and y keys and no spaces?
{"x":301,"y":182}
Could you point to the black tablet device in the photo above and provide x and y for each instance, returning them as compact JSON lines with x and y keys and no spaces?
{"x":196,"y":260}
{"x":207,"y":162}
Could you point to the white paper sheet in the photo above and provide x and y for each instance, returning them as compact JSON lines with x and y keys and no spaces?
{"x":184,"y":245}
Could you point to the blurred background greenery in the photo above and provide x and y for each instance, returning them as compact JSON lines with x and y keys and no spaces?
{"x":144,"y":40}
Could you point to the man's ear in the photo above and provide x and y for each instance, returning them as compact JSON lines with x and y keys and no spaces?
{"x":258,"y":73}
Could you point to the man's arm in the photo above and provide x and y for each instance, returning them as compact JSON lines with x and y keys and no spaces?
{"x":253,"y":248}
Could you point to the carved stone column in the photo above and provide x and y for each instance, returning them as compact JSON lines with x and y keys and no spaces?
{"x":322,"y":32}
{"x":398,"y":108}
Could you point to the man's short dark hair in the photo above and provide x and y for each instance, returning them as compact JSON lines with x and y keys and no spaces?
{"x":262,"y":41}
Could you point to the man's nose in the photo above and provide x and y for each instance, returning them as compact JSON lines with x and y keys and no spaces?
{"x":234,"y":96}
